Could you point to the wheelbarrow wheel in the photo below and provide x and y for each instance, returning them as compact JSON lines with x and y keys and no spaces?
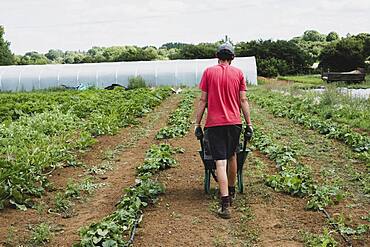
{"x":240,"y":181}
{"x":207,"y":181}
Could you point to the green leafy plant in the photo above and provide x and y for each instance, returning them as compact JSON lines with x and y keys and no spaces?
{"x":179,"y":121}
{"x":319,"y":240}
{"x":41,"y":234}
{"x":323,"y":196}
{"x":42,"y":131}
{"x":297,"y":110}
{"x":63,"y":205}
{"x":344,"y":228}
{"x":136,"y":82}
{"x":158,"y":157}
{"x":294,"y":178}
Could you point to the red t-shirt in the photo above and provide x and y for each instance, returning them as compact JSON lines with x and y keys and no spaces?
{"x":223,"y":84}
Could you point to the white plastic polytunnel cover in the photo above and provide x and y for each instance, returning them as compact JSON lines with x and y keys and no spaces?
{"x":155,"y":73}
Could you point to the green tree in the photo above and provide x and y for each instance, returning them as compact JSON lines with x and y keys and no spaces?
{"x":202,"y":50}
{"x":130,"y":53}
{"x":55,"y":56}
{"x":275,"y":57}
{"x":112,"y":54}
{"x":173,"y":53}
{"x":171,"y":45}
{"x":6,"y":56}
{"x":272,"y":67}
{"x":17,"y":59}
{"x":344,"y":55}
{"x":97,"y":54}
{"x":332,"y":36}
{"x":313,"y":35}
{"x":34,"y":57}
{"x":365,"y":39}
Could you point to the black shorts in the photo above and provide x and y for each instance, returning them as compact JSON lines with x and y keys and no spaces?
{"x":223,"y":140}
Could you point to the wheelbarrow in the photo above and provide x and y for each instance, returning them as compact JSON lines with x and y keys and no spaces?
{"x":210,"y":164}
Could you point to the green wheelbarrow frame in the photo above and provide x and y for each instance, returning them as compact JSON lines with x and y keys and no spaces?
{"x":210,"y":166}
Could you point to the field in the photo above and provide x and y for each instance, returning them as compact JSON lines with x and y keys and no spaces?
{"x":120,"y":168}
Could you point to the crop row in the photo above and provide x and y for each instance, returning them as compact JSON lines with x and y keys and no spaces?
{"x":116,"y":229}
{"x":280,"y":106}
{"x":179,"y":121}
{"x":35,"y":144}
{"x":80,"y":103}
{"x":294,"y":178}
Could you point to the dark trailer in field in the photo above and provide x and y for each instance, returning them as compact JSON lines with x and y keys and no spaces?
{"x":351,"y":76}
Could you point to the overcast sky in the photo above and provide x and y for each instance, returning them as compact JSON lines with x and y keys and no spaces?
{"x":40,"y":25}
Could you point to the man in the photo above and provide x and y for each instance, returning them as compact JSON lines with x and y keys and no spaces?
{"x":224,"y":93}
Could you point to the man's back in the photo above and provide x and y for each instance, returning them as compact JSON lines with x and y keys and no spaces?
{"x":223,"y":84}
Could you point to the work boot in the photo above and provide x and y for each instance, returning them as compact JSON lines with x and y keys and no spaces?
{"x":232,"y":194}
{"x":223,"y":211}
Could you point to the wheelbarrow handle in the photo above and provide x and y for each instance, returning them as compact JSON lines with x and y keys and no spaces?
{"x":244,"y":145}
{"x":201,"y":143}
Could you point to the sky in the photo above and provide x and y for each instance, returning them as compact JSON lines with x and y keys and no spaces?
{"x":40,"y":25}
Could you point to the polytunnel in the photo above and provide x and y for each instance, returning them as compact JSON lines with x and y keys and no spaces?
{"x":155,"y":73}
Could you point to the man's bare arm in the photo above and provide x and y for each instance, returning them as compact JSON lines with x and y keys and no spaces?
{"x":245,"y":107}
{"x":201,"y":107}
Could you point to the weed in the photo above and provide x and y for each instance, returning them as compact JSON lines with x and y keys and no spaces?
{"x":344,"y":228}
{"x":219,"y":242}
{"x":72,"y":190}
{"x":366,"y":217}
{"x":101,"y":168}
{"x":88,"y":186}
{"x":136,"y":82}
{"x":196,"y":221}
{"x":41,"y":234}
{"x":63,"y":205}
{"x":11,"y":237}
{"x":319,"y":240}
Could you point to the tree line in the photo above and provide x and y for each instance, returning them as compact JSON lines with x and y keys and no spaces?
{"x":274,"y":57}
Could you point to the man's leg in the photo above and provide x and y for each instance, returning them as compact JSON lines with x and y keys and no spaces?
{"x":233,"y":167}
{"x":231,"y":177}
{"x":221,"y":170}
